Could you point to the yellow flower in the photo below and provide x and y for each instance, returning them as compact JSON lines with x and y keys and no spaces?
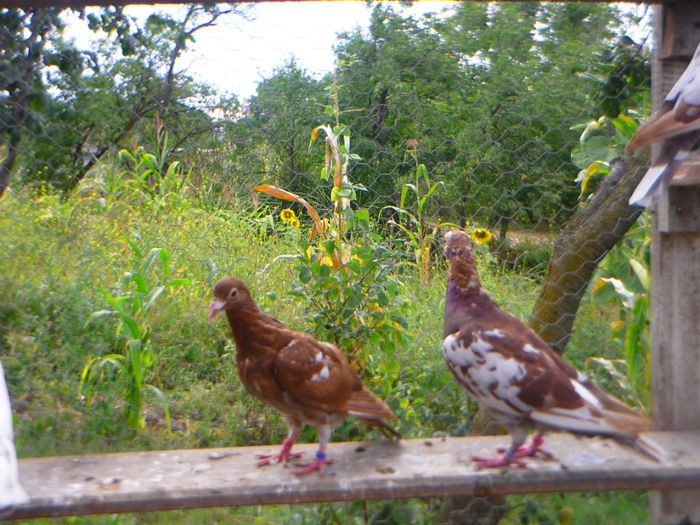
{"x":481,"y":235}
{"x":326,"y":260}
{"x":294,"y":222}
{"x":287,"y":215}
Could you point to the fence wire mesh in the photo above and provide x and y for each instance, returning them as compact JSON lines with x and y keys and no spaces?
{"x":128,"y":191}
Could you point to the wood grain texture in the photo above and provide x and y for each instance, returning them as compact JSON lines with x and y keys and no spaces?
{"x":675,"y":266}
{"x":180,"y":479}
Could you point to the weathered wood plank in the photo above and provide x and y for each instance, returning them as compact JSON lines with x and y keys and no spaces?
{"x":675,"y":268}
{"x":180,"y":479}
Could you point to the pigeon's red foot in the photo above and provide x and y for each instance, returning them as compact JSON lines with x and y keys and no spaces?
{"x":316,"y":464}
{"x":532,"y":449}
{"x":282,"y":456}
{"x":502,"y":461}
{"x":511,"y":458}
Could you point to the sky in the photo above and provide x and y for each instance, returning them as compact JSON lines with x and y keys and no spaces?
{"x":250,"y":51}
{"x":236,"y":54}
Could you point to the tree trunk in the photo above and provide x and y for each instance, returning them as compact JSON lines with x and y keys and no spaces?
{"x":8,"y":162}
{"x":20,"y":98}
{"x":582,"y":242}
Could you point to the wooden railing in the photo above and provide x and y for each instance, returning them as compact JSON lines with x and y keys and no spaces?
{"x":413,"y":468}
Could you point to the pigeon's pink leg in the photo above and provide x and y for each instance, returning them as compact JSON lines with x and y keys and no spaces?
{"x":532,"y":449}
{"x":502,"y":461}
{"x":324,"y":434}
{"x":285,"y":453}
{"x":511,"y":454}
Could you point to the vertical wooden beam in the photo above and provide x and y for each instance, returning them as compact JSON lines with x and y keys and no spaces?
{"x":675,"y":266}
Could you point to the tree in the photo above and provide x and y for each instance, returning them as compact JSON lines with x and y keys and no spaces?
{"x":107,"y":96}
{"x":402,"y":92}
{"x":524,"y":60}
{"x":23,"y":36}
{"x":273,"y":135}
{"x":622,"y":77}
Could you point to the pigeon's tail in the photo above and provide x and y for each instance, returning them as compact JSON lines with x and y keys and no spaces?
{"x":372,"y":410}
{"x":677,"y":141}
{"x":624,"y":424}
{"x":656,"y":180}
{"x":651,"y":449}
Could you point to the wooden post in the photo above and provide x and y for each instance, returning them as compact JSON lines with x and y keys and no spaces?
{"x":675,"y":266}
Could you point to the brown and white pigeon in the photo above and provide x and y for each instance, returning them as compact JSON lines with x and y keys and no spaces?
{"x":309,"y":381}
{"x":677,"y":126}
{"x":504,"y":365}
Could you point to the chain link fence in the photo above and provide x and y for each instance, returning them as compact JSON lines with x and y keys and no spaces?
{"x":123,"y":174}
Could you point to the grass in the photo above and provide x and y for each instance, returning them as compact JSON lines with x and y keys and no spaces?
{"x":59,"y":255}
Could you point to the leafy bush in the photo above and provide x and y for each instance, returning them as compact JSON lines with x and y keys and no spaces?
{"x":358,"y":305}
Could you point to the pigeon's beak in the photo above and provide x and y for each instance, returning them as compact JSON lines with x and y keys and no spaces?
{"x":215,"y":307}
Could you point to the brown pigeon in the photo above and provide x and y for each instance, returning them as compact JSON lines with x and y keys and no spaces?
{"x":677,"y":126}
{"x":505,"y":366}
{"x":309,"y":381}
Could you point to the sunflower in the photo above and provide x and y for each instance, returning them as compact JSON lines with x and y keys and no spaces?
{"x":481,"y":235}
{"x":294,"y":222}
{"x":287,"y":215}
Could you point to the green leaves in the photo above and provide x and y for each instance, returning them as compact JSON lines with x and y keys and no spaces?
{"x":601,"y":142}
{"x":411,"y":219}
{"x":624,"y":279}
{"x":131,"y":303}
{"x":357,"y":306}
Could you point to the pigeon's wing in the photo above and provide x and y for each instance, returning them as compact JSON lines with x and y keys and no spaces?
{"x":508,"y":368}
{"x":315,"y":374}
{"x":679,"y":114}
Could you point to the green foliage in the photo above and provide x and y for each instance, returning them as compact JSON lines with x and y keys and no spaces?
{"x":526,"y":257}
{"x":486,"y":96}
{"x":622,"y":75}
{"x":411,"y":217}
{"x":91,"y":103}
{"x":151,"y":176}
{"x":131,"y":303}
{"x":601,"y":142}
{"x":623,"y":279}
{"x":358,"y":305}
{"x":605,"y":508}
{"x":272,"y":135}
{"x":68,"y":255}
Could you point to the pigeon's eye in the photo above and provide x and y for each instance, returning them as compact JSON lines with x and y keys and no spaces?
{"x":233,"y":293}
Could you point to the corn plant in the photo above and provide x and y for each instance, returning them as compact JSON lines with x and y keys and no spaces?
{"x":349,"y":294}
{"x":343,"y":192}
{"x":135,"y":360}
{"x":411,"y":221}
{"x":151,"y":175}
{"x":149,"y":179}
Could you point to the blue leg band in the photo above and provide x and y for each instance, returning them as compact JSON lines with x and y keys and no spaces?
{"x":320,"y":455}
